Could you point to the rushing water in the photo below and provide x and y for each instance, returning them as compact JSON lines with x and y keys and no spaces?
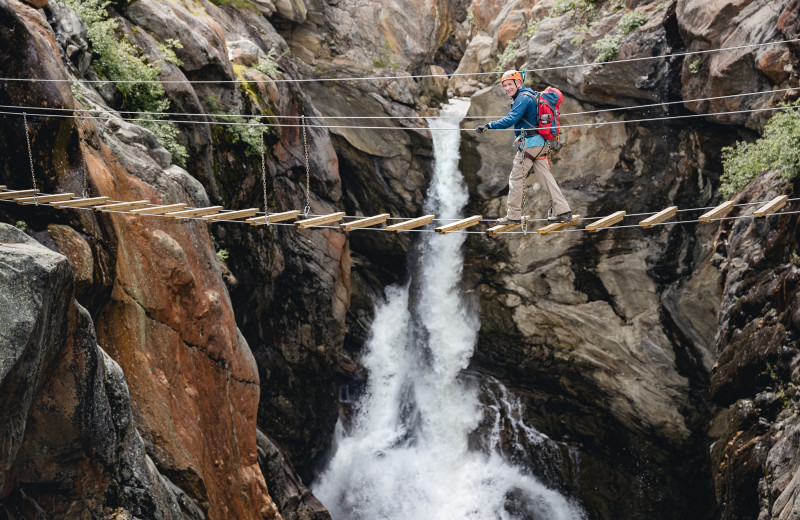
{"x":405,"y":453}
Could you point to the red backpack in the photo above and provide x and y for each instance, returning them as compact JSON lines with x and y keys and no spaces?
{"x":548,"y":105}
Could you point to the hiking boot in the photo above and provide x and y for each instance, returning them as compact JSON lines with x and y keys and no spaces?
{"x":506,"y":221}
{"x":563,"y":217}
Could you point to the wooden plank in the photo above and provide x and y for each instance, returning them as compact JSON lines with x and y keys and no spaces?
{"x":458,"y":226}
{"x":365,"y":222}
{"x":319,"y":221}
{"x":158,"y":210}
{"x":558,"y":226}
{"x":411,"y":224}
{"x":2,"y":187}
{"x":605,"y":222}
{"x":123,"y":206}
{"x":771,"y":206}
{"x":79,"y":203}
{"x":718,"y":212}
{"x":272,"y":217}
{"x":505,"y":228}
{"x":194,"y":212}
{"x":17,"y":193}
{"x":232,"y":215}
{"x":659,"y":217}
{"x":44,"y":199}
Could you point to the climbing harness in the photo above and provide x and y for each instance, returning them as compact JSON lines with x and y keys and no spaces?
{"x":30,"y":158}
{"x":308,"y":171}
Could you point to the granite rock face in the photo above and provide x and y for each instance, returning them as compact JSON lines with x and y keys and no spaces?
{"x":616,"y":337}
{"x":196,"y":387}
{"x":70,"y":442}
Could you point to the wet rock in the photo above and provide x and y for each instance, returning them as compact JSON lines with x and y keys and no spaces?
{"x":294,"y":500}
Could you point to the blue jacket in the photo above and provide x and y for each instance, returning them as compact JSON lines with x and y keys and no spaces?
{"x":523,"y":107}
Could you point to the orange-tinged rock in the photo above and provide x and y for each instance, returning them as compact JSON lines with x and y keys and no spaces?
{"x":72,"y":245}
{"x":513,"y":25}
{"x":170,"y":325}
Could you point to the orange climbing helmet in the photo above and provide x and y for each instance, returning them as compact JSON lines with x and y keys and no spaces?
{"x":511,"y":74}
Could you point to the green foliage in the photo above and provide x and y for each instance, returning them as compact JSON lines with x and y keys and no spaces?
{"x":238,"y":4}
{"x":608,"y":46}
{"x":245,"y":131}
{"x":662,"y":5}
{"x":117,"y":59}
{"x":631,"y":21}
{"x":222,"y":255}
{"x":532,"y":28}
{"x":563,"y":6}
{"x":695,"y":66}
{"x":269,"y":65}
{"x":507,"y":56}
{"x":167,"y":135}
{"x":777,"y":149}
{"x":471,"y":17}
{"x":385,"y":60}
{"x":168,"y":50}
{"x":785,"y":391}
{"x":576,"y":40}
{"x":21,"y":225}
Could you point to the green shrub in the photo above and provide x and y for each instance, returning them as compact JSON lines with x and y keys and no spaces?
{"x":168,"y":50}
{"x":21,"y":225}
{"x":532,"y":28}
{"x":695,"y":66}
{"x":222,"y":255}
{"x":608,"y":46}
{"x":631,"y":21}
{"x":269,"y":65}
{"x":507,"y":56}
{"x":777,"y":149}
{"x":246,"y":133}
{"x":563,"y":6}
{"x":471,"y":17}
{"x":118,"y":60}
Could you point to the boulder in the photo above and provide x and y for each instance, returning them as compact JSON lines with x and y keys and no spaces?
{"x":69,"y":436}
{"x":713,"y":25}
{"x":37,"y":286}
{"x":477,"y":58}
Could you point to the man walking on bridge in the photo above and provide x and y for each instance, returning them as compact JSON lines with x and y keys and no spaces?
{"x":532,"y":151}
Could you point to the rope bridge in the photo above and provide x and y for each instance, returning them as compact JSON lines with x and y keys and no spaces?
{"x":304,"y":220}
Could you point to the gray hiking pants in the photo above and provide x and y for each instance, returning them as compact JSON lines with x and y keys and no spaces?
{"x":541,"y":167}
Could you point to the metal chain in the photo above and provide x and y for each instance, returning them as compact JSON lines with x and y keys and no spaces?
{"x":524,"y":197}
{"x":308,"y":171}
{"x":84,"y":168}
{"x":264,"y":180}
{"x":30,"y":157}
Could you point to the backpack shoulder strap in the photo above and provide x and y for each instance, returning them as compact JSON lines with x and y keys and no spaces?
{"x":535,"y":98}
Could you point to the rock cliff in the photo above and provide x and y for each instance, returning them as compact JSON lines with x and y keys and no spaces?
{"x":145,"y":376}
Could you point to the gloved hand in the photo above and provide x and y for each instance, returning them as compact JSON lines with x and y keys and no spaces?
{"x":481,"y":129}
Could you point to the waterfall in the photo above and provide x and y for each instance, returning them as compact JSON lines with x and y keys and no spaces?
{"x":405,"y":452}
